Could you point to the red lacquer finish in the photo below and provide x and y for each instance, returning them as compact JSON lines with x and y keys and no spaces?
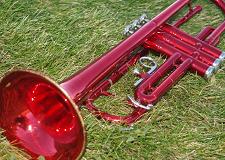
{"x":190,"y":14}
{"x":213,"y":38}
{"x":220,"y":4}
{"x":204,"y":33}
{"x":149,"y":93}
{"x":39,"y":117}
{"x":202,"y":45}
{"x":42,"y":117}
{"x":91,"y":75}
{"x":168,"y":50}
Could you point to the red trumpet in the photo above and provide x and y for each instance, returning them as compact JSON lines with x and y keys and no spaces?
{"x":43,"y":117}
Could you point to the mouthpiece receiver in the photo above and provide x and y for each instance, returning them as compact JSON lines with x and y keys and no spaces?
{"x":41,"y":118}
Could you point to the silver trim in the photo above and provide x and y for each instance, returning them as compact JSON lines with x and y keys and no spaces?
{"x":136,"y":71}
{"x":152,"y":68}
{"x":152,"y":63}
{"x":209,"y":72}
{"x":128,"y":30}
{"x":138,"y":82}
{"x":217,"y":64}
{"x":135,"y":25}
{"x":222,"y":56}
{"x":143,"y":19}
{"x":137,"y":104}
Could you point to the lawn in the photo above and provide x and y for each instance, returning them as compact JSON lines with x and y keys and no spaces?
{"x":59,"y":37}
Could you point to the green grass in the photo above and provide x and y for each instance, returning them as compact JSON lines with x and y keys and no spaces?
{"x":60,"y":37}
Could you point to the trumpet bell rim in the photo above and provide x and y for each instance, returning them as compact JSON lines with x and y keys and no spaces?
{"x":55,"y":130}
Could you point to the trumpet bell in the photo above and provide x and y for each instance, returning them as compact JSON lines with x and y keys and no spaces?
{"x":37,"y":115}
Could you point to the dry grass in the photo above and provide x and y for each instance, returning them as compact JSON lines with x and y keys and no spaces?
{"x":60,"y":37}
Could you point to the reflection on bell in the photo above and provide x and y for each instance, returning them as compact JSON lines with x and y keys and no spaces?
{"x":40,"y":117}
